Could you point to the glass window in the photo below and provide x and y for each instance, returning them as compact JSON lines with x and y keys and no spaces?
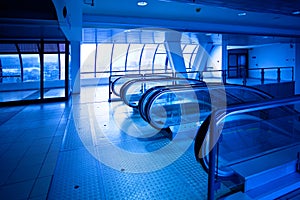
{"x":119,"y":57}
{"x":53,"y":85}
{"x":160,"y":58}
{"x":87,"y":57}
{"x":52,"y":47}
{"x":31,"y":65}
{"x":20,"y":70}
{"x":104,"y":53}
{"x":51,"y":67}
{"x":161,"y":49}
{"x":62,"y":48}
{"x":10,"y":69}
{"x":160,"y":62}
{"x":28,"y":48}
{"x":133,"y":58}
{"x":62,"y":66}
{"x":8,"y":48}
{"x":194,"y":55}
{"x":187,"y":58}
{"x":189,"y":48}
{"x":147,"y":57}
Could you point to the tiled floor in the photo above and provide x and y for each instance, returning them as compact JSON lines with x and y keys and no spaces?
{"x":30,"y":138}
{"x":91,"y":149}
{"x":88,"y":148}
{"x":27,"y":94}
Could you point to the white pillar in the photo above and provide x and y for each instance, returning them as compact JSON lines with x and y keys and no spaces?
{"x":297,"y":68}
{"x":202,"y":56}
{"x":174,"y":51}
{"x":224,"y":55}
{"x":75,"y":67}
{"x":224,"y":60}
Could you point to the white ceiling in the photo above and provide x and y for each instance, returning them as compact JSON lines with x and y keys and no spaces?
{"x":267,"y":21}
{"x":254,"y":28}
{"x":180,"y":11}
{"x":261,"y":25}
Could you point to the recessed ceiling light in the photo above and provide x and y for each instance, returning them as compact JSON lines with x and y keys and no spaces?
{"x":142,"y":3}
{"x":296,"y":12}
{"x":242,"y":14}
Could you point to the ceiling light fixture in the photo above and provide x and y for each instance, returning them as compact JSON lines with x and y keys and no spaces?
{"x":296,"y":12}
{"x":242,"y":14}
{"x":142,"y":3}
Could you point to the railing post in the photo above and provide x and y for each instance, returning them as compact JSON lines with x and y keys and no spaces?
{"x":244,"y":76}
{"x":212,"y":158}
{"x":224,"y":76}
{"x":110,"y":89}
{"x":1,"y":74}
{"x":278,"y":75}
{"x":262,"y":76}
{"x":201,"y":76}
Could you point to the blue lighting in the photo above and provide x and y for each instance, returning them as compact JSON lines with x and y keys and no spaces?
{"x":242,"y":14}
{"x":142,"y":3}
{"x":296,"y":12}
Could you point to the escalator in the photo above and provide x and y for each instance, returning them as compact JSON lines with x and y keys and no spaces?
{"x":120,"y":81}
{"x":166,"y":106}
{"x":132,"y":90}
{"x":257,"y":148}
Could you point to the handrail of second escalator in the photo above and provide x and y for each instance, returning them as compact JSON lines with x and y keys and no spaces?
{"x":151,"y":96}
{"x":216,"y":118}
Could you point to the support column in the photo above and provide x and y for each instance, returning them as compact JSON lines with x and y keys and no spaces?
{"x":75,"y":67}
{"x":201,"y":58}
{"x":69,"y":14}
{"x":297,"y":68}
{"x":203,"y":53}
{"x":224,"y":60}
{"x":174,"y":51}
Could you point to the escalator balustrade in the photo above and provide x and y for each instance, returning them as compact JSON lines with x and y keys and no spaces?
{"x":163,"y":107}
{"x":120,"y":81}
{"x":132,"y":90}
{"x":248,"y":135}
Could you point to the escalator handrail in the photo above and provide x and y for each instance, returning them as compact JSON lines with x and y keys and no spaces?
{"x":254,"y":106}
{"x":221,"y":114}
{"x":127,"y":85}
{"x":133,"y":76}
{"x":121,"y":77}
{"x":151,"y":94}
{"x":144,"y":108}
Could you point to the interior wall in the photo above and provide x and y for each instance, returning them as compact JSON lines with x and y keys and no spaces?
{"x":215,"y":60}
{"x":297,"y":69}
{"x":69,"y":14}
{"x":274,"y":55}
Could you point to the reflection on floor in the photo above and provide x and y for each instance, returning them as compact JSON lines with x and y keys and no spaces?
{"x":91,"y":149}
{"x":6,"y":96}
{"x":30,"y":138}
{"x":16,"y":95}
{"x":27,"y":94}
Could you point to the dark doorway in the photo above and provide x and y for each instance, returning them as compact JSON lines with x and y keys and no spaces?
{"x":237,"y":64}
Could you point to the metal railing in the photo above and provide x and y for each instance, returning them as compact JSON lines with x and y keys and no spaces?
{"x":254,"y":76}
{"x":217,"y":116}
{"x":146,"y":73}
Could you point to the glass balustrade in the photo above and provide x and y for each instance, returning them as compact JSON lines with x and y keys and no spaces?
{"x":163,"y":107}
{"x":132,"y":91}
{"x":251,"y":139}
